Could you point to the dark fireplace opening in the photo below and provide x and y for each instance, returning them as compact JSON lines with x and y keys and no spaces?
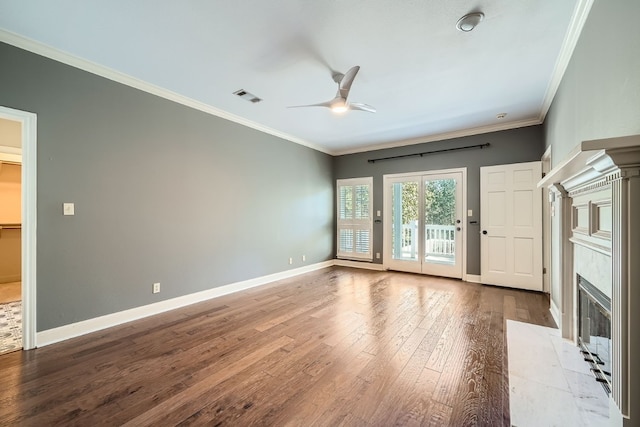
{"x":594,"y":330}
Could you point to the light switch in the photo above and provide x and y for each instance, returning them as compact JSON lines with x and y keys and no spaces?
{"x":68,"y":209}
{"x":469,"y":212}
{"x":377,"y":213}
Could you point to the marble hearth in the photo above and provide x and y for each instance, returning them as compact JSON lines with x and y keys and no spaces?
{"x":595,"y":196}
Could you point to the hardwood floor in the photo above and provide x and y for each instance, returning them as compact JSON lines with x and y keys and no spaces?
{"x":338,"y":346}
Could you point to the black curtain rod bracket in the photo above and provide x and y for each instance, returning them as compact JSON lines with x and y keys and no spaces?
{"x":425,"y":153}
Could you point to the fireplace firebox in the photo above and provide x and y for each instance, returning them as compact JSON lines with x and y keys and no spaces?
{"x":594,"y":327}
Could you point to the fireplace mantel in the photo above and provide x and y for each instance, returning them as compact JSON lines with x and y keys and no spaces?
{"x":590,"y":160}
{"x":596,"y":200}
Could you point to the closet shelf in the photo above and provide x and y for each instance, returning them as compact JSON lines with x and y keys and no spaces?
{"x":9,"y":227}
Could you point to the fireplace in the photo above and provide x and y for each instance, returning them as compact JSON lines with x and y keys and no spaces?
{"x":595,"y":234}
{"x":594,"y":330}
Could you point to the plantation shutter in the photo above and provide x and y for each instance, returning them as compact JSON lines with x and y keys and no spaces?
{"x":355,"y":222}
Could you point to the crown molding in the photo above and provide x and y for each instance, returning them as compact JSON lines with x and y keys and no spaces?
{"x":125,"y":79}
{"x":595,"y":158}
{"x":441,"y":136}
{"x":579,"y":18}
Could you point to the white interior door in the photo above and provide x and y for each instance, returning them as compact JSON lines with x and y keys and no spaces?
{"x":511,"y":217}
{"x":423,"y":223}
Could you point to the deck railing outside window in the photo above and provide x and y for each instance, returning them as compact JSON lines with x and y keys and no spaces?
{"x":439,"y":240}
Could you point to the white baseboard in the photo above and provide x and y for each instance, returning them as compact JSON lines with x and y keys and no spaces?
{"x":73,"y":330}
{"x":359,"y":264}
{"x":473,"y":278}
{"x":555,"y":313}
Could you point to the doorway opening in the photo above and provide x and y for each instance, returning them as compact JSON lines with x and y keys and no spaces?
{"x":17,"y":229}
{"x":10,"y":236}
{"x":423,"y":231}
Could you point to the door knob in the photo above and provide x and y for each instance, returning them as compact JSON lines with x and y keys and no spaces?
{"x":484,"y":231}
{"x":457,"y":221}
{"x":458,"y":228}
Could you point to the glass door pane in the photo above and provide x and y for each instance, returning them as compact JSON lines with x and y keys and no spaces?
{"x":443,"y":208}
{"x":405,"y":202}
{"x":440,"y":221}
{"x":423,"y":223}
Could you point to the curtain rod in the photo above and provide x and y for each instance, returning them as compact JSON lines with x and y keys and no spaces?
{"x":424,"y":153}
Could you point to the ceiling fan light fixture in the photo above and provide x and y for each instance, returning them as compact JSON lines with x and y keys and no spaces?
{"x":469,"y":21}
{"x":339,"y":103}
{"x":339,"y":107}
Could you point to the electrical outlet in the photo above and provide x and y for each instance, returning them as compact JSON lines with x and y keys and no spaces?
{"x":290,"y":261}
{"x":156,"y":288}
{"x":304,"y":258}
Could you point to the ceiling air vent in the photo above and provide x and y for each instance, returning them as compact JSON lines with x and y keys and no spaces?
{"x":247,"y":96}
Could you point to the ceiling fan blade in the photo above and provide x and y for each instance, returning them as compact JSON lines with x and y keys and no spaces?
{"x":347,"y":80}
{"x":361,"y":107}
{"x":320,"y":104}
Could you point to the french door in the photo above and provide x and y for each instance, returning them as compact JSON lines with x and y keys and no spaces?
{"x":423,"y":227}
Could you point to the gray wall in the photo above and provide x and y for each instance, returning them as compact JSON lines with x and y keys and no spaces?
{"x":599,"y":96}
{"x":512,"y":146}
{"x":163,"y":193}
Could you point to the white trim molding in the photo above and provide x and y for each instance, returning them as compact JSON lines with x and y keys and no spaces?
{"x":73,"y":330}
{"x":62,"y":333}
{"x":125,"y":79}
{"x":440,"y":136}
{"x":567,"y":307}
{"x":555,"y":313}
{"x":578,"y":19}
{"x":28,"y":158}
{"x":359,"y":264}
{"x":473,"y":278}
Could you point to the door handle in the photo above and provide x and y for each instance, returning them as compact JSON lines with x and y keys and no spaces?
{"x":484,"y":231}
{"x":458,"y":228}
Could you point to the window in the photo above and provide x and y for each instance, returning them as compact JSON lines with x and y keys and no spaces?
{"x":355,"y":225}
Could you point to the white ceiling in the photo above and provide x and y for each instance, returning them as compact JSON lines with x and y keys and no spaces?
{"x":427,"y":80}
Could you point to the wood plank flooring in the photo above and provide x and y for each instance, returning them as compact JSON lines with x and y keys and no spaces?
{"x":339,"y":346}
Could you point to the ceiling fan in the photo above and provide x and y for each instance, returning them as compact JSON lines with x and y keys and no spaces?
{"x":339,"y":104}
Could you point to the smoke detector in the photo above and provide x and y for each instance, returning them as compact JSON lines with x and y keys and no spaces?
{"x":469,"y":21}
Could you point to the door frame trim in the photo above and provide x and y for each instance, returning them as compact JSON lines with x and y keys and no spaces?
{"x":386,"y":223}
{"x":546,"y":225}
{"x":29,"y":220}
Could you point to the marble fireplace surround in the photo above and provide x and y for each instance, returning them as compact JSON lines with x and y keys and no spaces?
{"x":595,"y":194}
